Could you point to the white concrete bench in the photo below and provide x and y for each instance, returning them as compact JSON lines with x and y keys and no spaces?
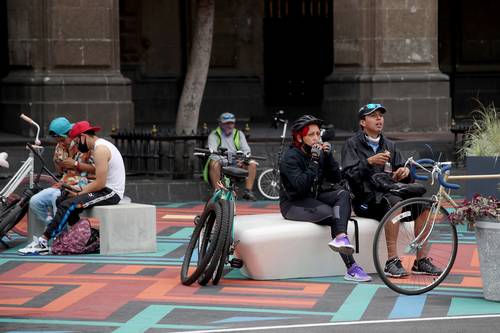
{"x":123,"y":228}
{"x":274,"y":248}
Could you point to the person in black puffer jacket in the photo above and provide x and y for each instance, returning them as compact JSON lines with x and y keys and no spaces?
{"x":365,"y":157}
{"x":306,"y":170}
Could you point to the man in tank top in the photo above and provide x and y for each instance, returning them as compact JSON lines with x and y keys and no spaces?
{"x":107,"y":189}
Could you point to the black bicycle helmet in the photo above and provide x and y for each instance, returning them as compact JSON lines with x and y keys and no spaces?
{"x":304,"y":121}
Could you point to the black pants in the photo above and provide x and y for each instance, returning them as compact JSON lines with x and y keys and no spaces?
{"x":376,"y":210}
{"x":330,"y":208}
{"x":69,"y":209}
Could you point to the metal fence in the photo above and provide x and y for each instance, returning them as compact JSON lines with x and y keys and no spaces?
{"x":161,"y":153}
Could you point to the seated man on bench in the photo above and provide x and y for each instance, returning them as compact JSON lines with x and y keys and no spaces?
{"x":107,"y":189}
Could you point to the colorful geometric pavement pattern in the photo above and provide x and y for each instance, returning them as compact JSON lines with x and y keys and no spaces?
{"x":142,"y":292}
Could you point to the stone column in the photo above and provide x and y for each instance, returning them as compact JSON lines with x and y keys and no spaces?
{"x":64,"y":60}
{"x":386,"y":52}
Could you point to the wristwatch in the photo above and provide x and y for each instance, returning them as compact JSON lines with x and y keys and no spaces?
{"x":76,"y":165}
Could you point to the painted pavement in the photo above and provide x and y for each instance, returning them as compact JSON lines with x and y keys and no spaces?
{"x":142,"y":292}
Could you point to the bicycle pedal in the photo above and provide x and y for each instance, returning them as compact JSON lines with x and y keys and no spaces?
{"x":236,"y":263}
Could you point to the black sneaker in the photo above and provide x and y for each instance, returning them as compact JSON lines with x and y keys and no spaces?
{"x":425,"y":266}
{"x":248,"y":195}
{"x":393,"y":268}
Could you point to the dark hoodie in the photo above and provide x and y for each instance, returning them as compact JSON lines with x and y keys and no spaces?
{"x":357,"y":171}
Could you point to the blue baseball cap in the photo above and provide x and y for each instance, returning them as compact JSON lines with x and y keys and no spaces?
{"x":370,"y":108}
{"x":60,"y":127}
{"x":227,"y":117}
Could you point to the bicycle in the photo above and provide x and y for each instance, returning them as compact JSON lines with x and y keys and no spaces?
{"x":421,"y":228}
{"x":15,"y":195}
{"x":268,"y":182}
{"x":212,"y":236}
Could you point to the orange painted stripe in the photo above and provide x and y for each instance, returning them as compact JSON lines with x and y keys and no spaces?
{"x":15,"y":301}
{"x":130,"y":270}
{"x":474,"y":262}
{"x":42,"y":270}
{"x":74,"y":296}
{"x":40,"y":289}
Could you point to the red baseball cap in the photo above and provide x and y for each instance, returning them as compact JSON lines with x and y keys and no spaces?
{"x":82,"y":127}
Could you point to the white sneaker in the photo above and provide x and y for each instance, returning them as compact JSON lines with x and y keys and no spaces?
{"x":37,"y":247}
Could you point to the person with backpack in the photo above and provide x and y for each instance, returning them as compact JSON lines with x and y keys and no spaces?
{"x":107,"y":188}
{"x":311,"y":190}
{"x":367,"y":157}
{"x":228,"y":137}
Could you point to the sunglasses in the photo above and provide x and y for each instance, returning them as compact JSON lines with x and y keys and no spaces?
{"x":373,"y":106}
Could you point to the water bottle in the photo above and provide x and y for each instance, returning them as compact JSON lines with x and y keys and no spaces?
{"x":388,"y":167}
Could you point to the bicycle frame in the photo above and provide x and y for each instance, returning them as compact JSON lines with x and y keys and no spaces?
{"x":27,"y":168}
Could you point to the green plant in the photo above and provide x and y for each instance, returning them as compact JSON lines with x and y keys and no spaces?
{"x":478,"y":208}
{"x":484,"y":137}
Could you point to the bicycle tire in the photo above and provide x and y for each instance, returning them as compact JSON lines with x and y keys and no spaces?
{"x":225,"y":254}
{"x":21,"y":227}
{"x":268,"y":184}
{"x":212,"y":216}
{"x":11,"y":216}
{"x":441,"y":245}
{"x":219,"y":253}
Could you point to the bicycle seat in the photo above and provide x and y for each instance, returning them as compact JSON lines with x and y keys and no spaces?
{"x":235,"y":172}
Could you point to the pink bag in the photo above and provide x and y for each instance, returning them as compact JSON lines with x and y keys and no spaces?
{"x":77,"y":239}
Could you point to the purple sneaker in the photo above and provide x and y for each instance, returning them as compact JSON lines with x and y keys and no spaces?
{"x":341,"y":245}
{"x":356,"y":273}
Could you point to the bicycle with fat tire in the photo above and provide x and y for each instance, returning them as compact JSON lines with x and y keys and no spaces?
{"x":420,"y":227}
{"x":211,"y":244}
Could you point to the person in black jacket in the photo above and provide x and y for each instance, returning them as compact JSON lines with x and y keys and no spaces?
{"x":305,"y":170}
{"x":369,"y":152}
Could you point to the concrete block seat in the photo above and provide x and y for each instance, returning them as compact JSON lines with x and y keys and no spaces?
{"x":123,"y":228}
{"x":274,"y":248}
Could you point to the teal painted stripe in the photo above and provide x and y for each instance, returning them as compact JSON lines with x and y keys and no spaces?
{"x":469,"y":306}
{"x":408,"y":307}
{"x":162,"y":249}
{"x":255,"y":310}
{"x":95,"y":323}
{"x":143,"y":321}
{"x":356,"y":303}
{"x":183,"y":233}
{"x":160,"y":262}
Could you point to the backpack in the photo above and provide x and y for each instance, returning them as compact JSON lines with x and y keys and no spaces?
{"x":77,"y":239}
{"x":383,"y":182}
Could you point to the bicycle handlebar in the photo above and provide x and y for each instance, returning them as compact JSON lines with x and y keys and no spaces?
{"x":208,"y":152}
{"x":437,"y":166}
{"x":32,"y":122}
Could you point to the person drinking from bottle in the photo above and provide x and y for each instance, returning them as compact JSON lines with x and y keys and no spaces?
{"x":364,"y":155}
{"x":310,"y":190}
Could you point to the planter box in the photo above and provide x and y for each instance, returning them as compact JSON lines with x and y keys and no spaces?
{"x":488,"y":244}
{"x":482,"y":165}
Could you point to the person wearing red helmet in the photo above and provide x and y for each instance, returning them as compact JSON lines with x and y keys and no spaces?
{"x":310,"y":190}
{"x":107,"y":188}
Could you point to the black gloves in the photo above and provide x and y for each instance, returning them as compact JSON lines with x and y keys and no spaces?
{"x":316,"y":151}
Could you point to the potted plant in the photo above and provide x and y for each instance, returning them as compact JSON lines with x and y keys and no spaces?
{"x":483,"y":215}
{"x":481,"y":150}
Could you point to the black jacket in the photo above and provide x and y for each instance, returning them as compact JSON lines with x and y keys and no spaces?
{"x":357,"y":171}
{"x":300,"y":176}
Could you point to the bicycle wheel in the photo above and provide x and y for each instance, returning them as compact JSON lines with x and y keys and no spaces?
{"x":210,"y":219}
{"x":227,"y":246}
{"x":11,"y":215}
{"x":410,"y":232}
{"x":45,"y":181}
{"x":219,"y":252}
{"x":269,"y":184}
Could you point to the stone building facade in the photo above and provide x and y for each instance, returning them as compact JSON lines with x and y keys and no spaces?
{"x":121,"y":63}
